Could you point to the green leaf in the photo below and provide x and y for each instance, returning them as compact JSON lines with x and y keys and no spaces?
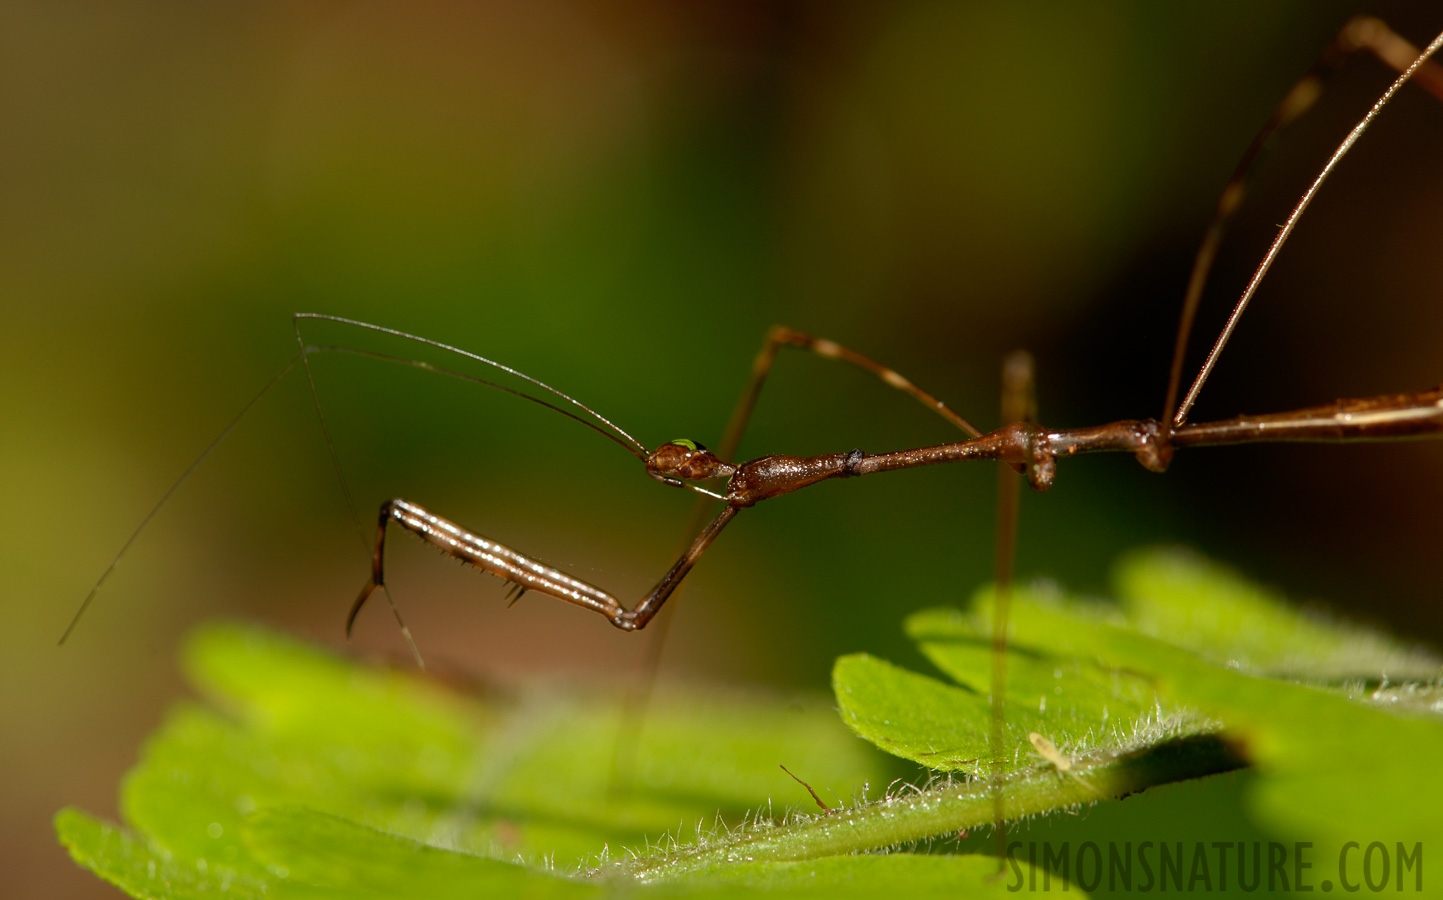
{"x":1085,"y":709}
{"x":532,"y":776}
{"x":868,"y":877}
{"x":141,"y":870}
{"x":301,"y":847}
{"x":1336,"y":767}
{"x":307,"y":775}
{"x":312,"y":776}
{"x":938,"y":725}
{"x":1179,"y":597}
{"x":310,"y":855}
{"x":1335,"y":763}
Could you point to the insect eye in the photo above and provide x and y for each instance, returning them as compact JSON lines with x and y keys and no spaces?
{"x":689,"y":444}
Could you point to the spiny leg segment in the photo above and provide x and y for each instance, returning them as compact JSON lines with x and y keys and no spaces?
{"x":524,"y":571}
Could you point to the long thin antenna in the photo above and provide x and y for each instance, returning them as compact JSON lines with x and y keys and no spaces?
{"x":1181,"y":416}
{"x":477,"y":358}
{"x":463,"y":376}
{"x":175,"y":486}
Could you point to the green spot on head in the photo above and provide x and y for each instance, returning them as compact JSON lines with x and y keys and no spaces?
{"x":688,"y":444}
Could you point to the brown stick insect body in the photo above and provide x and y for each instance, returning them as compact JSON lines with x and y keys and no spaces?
{"x":1020,"y":444}
{"x":1023,"y":445}
{"x":1030,"y":448}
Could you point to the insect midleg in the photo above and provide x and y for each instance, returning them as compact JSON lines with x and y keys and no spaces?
{"x":780,"y":336}
{"x":777,"y":337}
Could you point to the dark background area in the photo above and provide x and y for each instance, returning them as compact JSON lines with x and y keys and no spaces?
{"x":619,"y":199}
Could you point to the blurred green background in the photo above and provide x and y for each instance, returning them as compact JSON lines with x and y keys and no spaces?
{"x":619,"y":199}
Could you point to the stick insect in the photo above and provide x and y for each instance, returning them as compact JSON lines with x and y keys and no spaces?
{"x":1021,"y":445}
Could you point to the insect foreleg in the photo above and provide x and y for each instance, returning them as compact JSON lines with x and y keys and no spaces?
{"x":524,"y":571}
